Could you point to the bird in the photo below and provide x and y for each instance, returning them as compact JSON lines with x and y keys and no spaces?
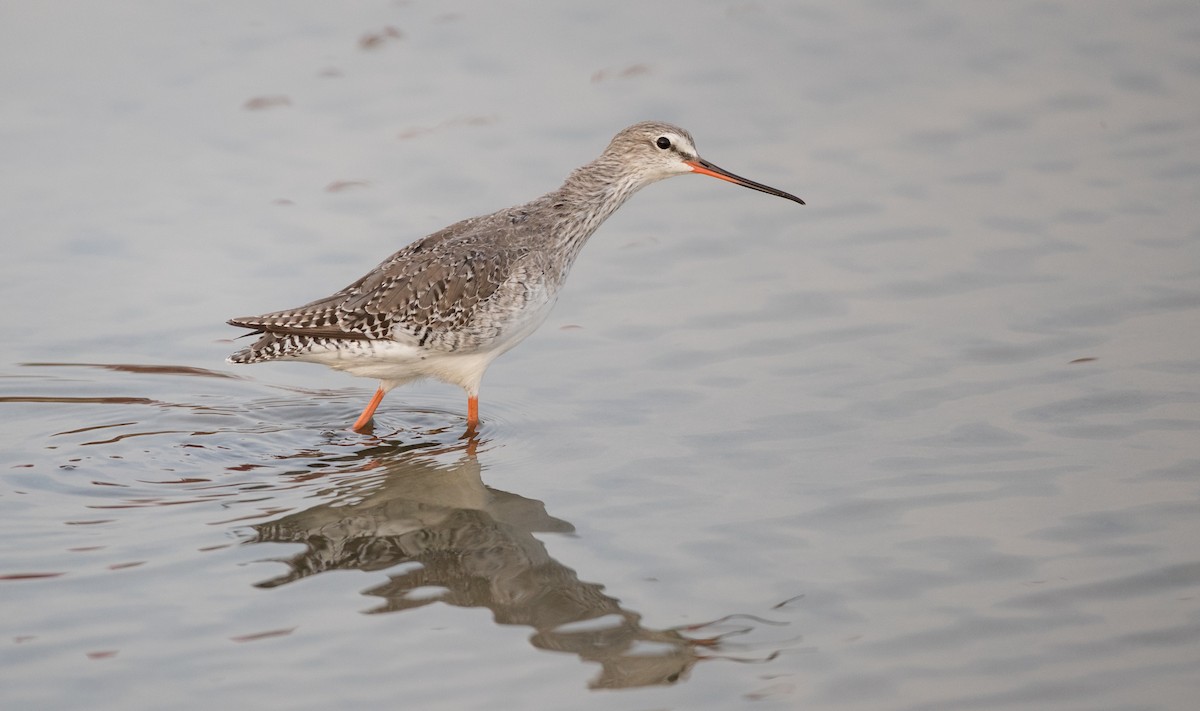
{"x":448,"y":304}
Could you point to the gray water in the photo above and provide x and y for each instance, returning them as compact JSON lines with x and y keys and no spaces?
{"x":928,"y":442}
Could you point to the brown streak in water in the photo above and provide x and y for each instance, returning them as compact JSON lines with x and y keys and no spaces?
{"x":96,"y":427}
{"x":140,"y":368}
{"x":103,"y":654}
{"x":633,"y":70}
{"x":118,"y":438}
{"x":260,"y":103}
{"x":244,"y":467}
{"x":263,"y":635}
{"x":339,"y":186}
{"x":83,"y":400}
{"x":28,"y":576}
{"x":773,"y":690}
{"x":788,"y":601}
{"x":374,"y":40}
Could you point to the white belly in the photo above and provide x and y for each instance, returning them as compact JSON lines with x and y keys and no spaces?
{"x":395,"y":362}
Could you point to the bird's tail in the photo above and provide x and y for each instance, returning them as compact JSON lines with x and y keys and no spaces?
{"x":267,"y":347}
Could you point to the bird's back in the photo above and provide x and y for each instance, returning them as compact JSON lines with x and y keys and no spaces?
{"x":455,"y":290}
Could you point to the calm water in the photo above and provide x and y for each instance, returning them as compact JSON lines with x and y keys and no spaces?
{"x":927,"y":443}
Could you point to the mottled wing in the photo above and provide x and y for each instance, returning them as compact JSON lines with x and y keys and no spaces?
{"x":426,"y":293}
{"x":430,"y":286}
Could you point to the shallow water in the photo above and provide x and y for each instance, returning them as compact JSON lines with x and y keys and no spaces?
{"x":928,"y":442}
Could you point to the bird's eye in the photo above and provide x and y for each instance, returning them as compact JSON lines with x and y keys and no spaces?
{"x":663,"y":142}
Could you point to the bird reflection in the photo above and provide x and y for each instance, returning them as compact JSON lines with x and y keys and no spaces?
{"x":475,"y":546}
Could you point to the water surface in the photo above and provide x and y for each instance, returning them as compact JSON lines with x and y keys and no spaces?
{"x":928,"y":442}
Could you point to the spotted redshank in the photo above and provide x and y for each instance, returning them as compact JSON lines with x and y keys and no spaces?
{"x":448,"y":304}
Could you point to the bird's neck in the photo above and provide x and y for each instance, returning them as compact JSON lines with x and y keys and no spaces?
{"x":587,"y":198}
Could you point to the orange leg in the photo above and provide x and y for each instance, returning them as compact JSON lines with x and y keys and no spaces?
{"x":364,"y":419}
{"x":472,"y":411}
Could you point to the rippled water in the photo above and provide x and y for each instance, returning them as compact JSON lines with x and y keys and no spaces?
{"x":928,"y":442}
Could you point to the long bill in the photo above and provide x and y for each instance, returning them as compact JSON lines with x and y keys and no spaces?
{"x":705,"y":168}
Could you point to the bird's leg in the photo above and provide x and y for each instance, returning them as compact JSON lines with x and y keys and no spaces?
{"x":472,"y":411}
{"x":360,"y":425}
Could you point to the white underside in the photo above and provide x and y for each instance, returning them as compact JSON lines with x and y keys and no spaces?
{"x":394,"y":363}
